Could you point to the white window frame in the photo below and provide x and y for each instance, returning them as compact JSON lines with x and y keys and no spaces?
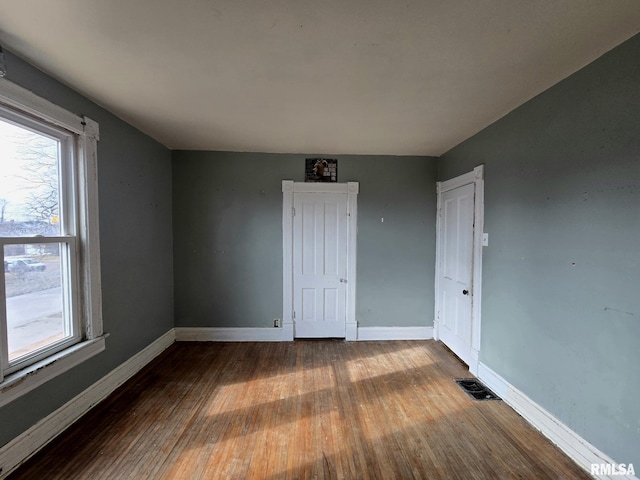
{"x":86,"y":287}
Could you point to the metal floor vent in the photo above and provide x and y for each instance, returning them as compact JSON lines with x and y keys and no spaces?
{"x":475,"y":389}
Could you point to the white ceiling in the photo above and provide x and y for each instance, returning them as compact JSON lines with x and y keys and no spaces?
{"x":411,"y":77}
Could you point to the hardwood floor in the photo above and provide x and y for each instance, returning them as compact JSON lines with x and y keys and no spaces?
{"x":301,"y":410}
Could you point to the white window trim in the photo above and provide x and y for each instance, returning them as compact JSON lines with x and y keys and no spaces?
{"x":87,"y":131}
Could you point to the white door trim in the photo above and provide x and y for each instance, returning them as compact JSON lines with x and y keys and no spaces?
{"x":476,"y":177}
{"x":289,"y":189}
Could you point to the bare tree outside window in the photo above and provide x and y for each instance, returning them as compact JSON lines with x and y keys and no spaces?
{"x":39,"y":159}
{"x":3,"y":208}
{"x":31,"y":181}
{"x":39,"y":179}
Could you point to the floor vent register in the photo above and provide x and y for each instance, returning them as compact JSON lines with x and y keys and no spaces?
{"x":475,"y":389}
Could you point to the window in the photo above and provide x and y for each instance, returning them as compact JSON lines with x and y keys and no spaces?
{"x":50,"y":307}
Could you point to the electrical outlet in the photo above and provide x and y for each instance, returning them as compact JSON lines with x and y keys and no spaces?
{"x":276,"y":322}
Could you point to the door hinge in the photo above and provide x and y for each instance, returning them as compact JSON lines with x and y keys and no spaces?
{"x":293,"y":211}
{"x":294,"y":314}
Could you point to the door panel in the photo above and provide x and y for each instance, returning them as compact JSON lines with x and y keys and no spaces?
{"x":319,"y":265}
{"x":457,"y":261}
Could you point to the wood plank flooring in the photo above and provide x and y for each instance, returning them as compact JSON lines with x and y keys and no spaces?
{"x":300,"y":410}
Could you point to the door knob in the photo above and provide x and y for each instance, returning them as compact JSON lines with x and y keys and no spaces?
{"x":465,"y":292}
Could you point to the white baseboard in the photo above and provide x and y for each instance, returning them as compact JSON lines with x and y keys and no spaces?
{"x":395,"y":333}
{"x":576,"y":447}
{"x":351,"y":331}
{"x":233,"y":334}
{"x":32,"y":440}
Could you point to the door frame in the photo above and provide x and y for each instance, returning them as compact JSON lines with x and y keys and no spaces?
{"x":475,"y":177}
{"x":289,"y":189}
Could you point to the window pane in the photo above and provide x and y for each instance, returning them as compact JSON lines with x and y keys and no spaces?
{"x":29,"y":182}
{"x":34,"y":283}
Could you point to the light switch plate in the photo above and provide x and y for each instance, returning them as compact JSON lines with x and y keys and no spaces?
{"x":485,"y":239}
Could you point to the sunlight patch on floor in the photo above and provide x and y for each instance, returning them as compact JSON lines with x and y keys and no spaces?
{"x":385,"y":364}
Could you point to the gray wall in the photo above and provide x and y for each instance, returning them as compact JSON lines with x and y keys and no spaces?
{"x":228,"y":237}
{"x":561,"y":309}
{"x":136,"y":244}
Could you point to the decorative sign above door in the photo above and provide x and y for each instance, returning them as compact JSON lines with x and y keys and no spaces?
{"x":321,"y":170}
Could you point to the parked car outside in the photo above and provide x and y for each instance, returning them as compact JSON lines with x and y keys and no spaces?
{"x":25,"y":265}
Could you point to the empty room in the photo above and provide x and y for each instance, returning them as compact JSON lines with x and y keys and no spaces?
{"x":300,"y":239}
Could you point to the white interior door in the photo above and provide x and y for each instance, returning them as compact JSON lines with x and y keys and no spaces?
{"x":456,"y":257}
{"x":319,"y":265}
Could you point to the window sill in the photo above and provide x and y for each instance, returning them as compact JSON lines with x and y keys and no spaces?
{"x":25,"y":380}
